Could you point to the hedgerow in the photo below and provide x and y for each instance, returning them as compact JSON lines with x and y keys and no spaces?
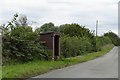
{"x":21,"y":43}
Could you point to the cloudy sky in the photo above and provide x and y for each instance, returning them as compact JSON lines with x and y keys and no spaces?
{"x":83,"y":12}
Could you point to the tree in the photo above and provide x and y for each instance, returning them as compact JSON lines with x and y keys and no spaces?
{"x":47,"y":27}
{"x":114,"y":38}
{"x":75,"y":30}
{"x":21,"y":21}
{"x":79,"y":31}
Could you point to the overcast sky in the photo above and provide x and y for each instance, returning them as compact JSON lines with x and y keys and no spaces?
{"x":83,"y":12}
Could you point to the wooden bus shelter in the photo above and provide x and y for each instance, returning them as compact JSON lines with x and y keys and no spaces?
{"x":52,"y":41}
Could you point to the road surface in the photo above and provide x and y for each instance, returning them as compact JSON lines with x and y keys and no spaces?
{"x":103,"y":67}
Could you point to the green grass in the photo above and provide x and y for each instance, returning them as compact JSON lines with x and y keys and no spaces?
{"x":34,"y":68}
{"x":0,"y":72}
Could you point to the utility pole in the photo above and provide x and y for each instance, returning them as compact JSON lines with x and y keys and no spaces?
{"x":96,"y":27}
{"x":96,"y":35}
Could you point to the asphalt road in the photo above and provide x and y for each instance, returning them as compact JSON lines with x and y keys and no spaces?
{"x":103,"y":67}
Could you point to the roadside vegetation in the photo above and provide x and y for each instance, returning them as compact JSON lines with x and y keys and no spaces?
{"x":34,"y":68}
{"x":24,"y":56}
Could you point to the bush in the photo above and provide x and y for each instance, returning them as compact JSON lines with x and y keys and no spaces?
{"x":74,"y":46}
{"x":114,"y":38}
{"x":22,"y":45}
{"x":101,"y":41}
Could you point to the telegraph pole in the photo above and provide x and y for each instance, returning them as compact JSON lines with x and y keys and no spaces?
{"x":96,"y":35}
{"x":96,"y":27}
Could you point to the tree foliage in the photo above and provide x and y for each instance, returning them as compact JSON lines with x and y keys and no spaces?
{"x":114,"y":38}
{"x":47,"y":27}
{"x":21,"y":21}
{"x":74,"y":46}
{"x":76,"y":30}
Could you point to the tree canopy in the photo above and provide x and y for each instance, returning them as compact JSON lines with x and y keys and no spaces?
{"x":47,"y":27}
{"x":114,"y":38}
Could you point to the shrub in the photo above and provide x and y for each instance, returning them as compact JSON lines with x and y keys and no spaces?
{"x":22,"y":45}
{"x":114,"y":38}
{"x":101,"y":41}
{"x":74,"y":46}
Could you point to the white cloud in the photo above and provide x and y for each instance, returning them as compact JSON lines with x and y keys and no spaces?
{"x":84,"y":12}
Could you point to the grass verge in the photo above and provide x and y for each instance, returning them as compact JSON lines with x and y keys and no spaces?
{"x":34,"y":68}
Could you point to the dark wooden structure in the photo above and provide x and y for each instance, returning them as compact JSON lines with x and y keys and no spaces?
{"x":52,"y":41}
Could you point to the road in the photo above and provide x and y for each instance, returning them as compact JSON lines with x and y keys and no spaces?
{"x":102,"y":67}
